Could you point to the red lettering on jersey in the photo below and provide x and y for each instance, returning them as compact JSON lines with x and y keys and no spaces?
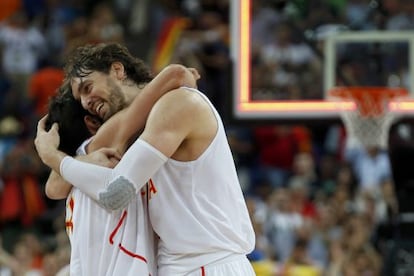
{"x":69,"y":226}
{"x":71,"y":203}
{"x":152,"y":188}
{"x":69,"y":221}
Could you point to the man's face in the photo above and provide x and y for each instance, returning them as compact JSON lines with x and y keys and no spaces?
{"x":99,"y":93}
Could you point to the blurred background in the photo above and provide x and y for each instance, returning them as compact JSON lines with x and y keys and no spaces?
{"x":318,"y":206}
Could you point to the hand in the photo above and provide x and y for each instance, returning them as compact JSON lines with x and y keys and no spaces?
{"x":104,"y":157}
{"x":195,"y":73}
{"x":46,"y":142}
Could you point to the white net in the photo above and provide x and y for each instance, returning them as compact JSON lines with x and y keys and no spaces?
{"x":370,"y":122}
{"x":368,"y":131}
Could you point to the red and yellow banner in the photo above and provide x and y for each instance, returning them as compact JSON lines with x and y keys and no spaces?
{"x":167,"y":40}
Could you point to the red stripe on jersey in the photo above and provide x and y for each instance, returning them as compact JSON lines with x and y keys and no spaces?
{"x":71,"y":203}
{"x":133,"y":255}
{"x":111,"y":237}
{"x":203,"y":272}
{"x":121,"y":247}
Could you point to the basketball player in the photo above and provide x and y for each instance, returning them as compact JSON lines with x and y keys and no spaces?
{"x":102,"y":242}
{"x":196,"y":204}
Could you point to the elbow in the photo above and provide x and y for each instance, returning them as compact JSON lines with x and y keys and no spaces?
{"x":117,"y":195}
{"x":49,"y":193}
{"x":54,"y":194}
{"x":180,"y":75}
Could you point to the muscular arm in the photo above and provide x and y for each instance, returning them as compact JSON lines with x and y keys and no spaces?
{"x":175,"y":118}
{"x":115,"y":133}
{"x":114,"y":136}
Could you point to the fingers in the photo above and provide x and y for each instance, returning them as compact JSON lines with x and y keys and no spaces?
{"x":42,"y":123}
{"x":111,"y":153}
{"x":195,"y":73}
{"x":112,"y":162}
{"x":55,"y":127}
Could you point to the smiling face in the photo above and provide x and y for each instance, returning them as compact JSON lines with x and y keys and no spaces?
{"x":105,"y":78}
{"x":101,"y":94}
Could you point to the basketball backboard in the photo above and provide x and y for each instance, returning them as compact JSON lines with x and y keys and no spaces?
{"x":379,"y":46}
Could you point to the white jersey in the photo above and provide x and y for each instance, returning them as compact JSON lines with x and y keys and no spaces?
{"x":109,"y":243}
{"x":198,"y":209}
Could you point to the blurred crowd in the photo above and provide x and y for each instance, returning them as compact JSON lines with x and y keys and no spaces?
{"x":318,"y":205}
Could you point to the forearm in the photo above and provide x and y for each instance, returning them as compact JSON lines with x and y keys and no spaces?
{"x":115,"y":188}
{"x":52,"y":158}
{"x":91,"y":179}
{"x":56,"y":187}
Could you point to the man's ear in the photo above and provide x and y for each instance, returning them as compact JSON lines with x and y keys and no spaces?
{"x":118,"y":70}
{"x":92,"y":123}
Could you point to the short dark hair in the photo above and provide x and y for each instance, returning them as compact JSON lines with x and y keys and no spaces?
{"x":69,"y":114}
{"x":99,"y":57}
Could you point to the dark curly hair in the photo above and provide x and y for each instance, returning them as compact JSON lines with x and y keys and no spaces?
{"x":99,"y":57}
{"x":69,"y":114}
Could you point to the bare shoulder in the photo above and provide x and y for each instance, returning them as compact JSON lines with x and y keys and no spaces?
{"x":183,"y":96}
{"x":181,"y":125}
{"x":182,"y":101}
{"x":183,"y":109}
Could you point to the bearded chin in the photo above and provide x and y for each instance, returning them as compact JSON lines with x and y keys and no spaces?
{"x":117,"y":103}
{"x":115,"y":106}
{"x":116,"y":98}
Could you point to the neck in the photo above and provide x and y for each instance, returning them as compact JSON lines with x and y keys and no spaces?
{"x":131,"y":92}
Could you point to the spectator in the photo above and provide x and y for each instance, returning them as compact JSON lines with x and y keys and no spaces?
{"x":43,"y":84}
{"x":242,"y":145}
{"x":21,"y":261}
{"x":277,"y":146}
{"x":298,"y":263}
{"x":284,"y":66}
{"x":22,"y":47}
{"x":282,"y":223}
{"x":21,"y":200}
{"x":371,"y":165}
{"x":262,"y":257}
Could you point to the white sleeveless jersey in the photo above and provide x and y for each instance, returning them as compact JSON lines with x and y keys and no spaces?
{"x":198,"y":209}
{"x":109,"y":243}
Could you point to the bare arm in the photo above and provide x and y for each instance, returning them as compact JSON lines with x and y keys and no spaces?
{"x":173,"y":126}
{"x":56,"y":187}
{"x":112,"y":135}
{"x":172,"y":121}
{"x":179,"y":118}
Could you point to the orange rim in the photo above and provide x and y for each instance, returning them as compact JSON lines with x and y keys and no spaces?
{"x":370,"y":101}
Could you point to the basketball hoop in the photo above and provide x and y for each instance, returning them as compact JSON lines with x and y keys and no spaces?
{"x":370,"y":121}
